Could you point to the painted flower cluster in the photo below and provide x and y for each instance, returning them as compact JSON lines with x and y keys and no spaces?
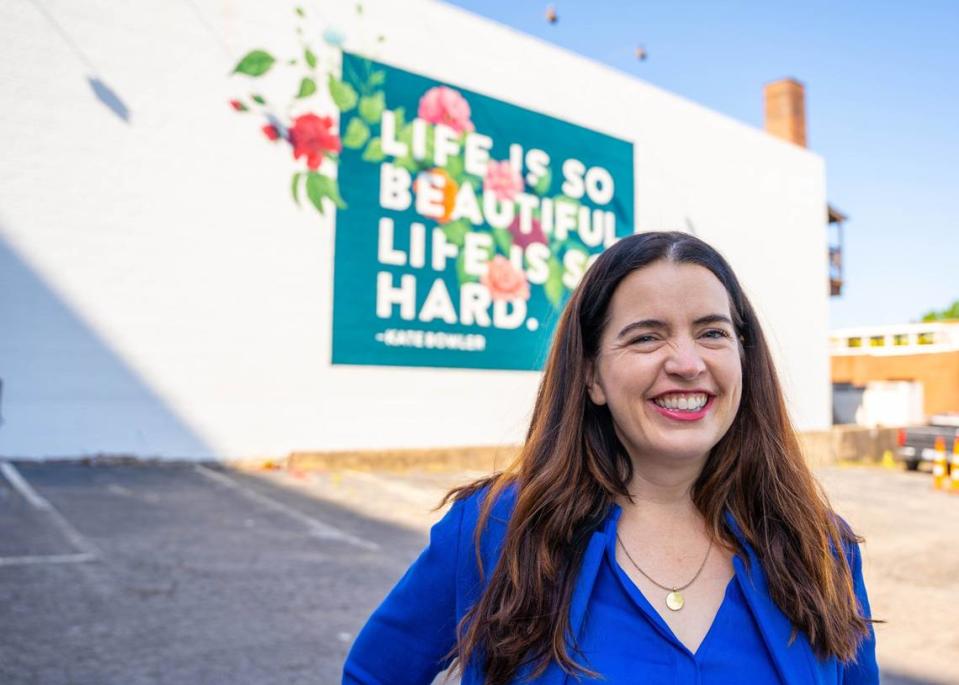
{"x":315,"y":139}
{"x":312,"y":137}
{"x":505,"y":275}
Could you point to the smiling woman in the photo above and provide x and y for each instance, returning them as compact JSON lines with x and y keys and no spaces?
{"x":660,"y":523}
{"x":669,"y":342}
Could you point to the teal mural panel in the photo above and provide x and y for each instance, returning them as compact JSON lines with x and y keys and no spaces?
{"x":463,"y":221}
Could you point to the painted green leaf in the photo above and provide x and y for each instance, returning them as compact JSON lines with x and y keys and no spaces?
{"x":377,"y":78}
{"x":491,"y":251}
{"x":295,"y":186}
{"x":372,"y":106}
{"x":407,"y":163}
{"x":543,"y":184}
{"x":254,"y":63}
{"x":258,"y":99}
{"x":374,"y":151}
{"x":314,"y":190}
{"x":300,"y":12}
{"x":400,"y":115}
{"x":454,"y":167}
{"x":461,"y":274}
{"x":310,"y":58}
{"x":554,"y":287}
{"x":503,"y":239}
{"x":319,"y":187}
{"x":356,"y":134}
{"x":344,"y":97}
{"x":455,"y":231}
{"x":430,"y":146}
{"x":332,"y":190}
{"x":307,"y":87}
{"x":405,"y":134}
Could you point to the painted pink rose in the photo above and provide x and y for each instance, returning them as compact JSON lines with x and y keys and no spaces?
{"x":442,"y":105}
{"x":505,"y":281}
{"x":524,"y":240}
{"x":502,"y":180}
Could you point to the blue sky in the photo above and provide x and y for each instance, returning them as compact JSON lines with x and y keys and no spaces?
{"x":882,"y":108}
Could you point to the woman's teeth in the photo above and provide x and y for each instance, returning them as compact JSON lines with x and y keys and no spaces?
{"x":693,"y":402}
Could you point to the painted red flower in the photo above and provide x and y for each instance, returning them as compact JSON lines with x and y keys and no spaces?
{"x":271,"y":132}
{"x":312,"y":137}
{"x":237,"y":105}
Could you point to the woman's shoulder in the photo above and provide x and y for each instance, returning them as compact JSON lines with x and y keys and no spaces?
{"x":472,"y":498}
{"x":850,"y":541}
{"x":454,"y":536}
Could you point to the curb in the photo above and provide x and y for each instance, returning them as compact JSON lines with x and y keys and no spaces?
{"x":484,"y":458}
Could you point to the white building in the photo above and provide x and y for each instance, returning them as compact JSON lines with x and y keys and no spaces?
{"x":161,"y":294}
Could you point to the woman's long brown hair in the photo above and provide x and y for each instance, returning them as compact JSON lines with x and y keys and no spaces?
{"x":572,"y":466}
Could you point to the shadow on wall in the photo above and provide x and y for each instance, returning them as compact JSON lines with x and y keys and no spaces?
{"x":104,"y":93}
{"x":66,"y":392}
{"x":109,"y":98}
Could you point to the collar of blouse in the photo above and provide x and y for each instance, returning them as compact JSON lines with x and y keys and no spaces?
{"x":794,"y":658}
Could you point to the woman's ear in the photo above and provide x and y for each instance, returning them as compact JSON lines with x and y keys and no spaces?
{"x":593,"y":386}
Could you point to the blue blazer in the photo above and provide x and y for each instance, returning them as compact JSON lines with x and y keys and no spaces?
{"x":406,"y":638}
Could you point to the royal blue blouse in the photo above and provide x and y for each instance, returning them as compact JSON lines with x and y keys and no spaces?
{"x":623,"y":635}
{"x":408,"y":639}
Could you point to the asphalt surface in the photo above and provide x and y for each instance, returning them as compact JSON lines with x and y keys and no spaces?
{"x":182,"y":574}
{"x":193,"y":581}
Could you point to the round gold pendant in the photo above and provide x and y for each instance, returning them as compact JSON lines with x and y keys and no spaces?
{"x":675,"y":601}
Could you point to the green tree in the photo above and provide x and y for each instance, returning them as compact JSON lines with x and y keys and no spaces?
{"x":951,"y":312}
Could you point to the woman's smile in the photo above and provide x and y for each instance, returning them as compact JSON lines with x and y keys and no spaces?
{"x":690,"y":413}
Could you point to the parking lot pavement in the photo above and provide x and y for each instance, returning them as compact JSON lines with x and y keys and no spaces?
{"x":910,"y":562}
{"x":192,"y":574}
{"x":194,"y":581}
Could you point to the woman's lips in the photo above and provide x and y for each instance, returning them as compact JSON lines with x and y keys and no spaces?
{"x":679,"y":415}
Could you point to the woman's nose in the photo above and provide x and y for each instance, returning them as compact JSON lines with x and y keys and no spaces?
{"x":684,"y":359}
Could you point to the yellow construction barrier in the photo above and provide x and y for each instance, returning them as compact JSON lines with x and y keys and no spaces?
{"x":889,"y":461}
{"x":954,"y":468}
{"x":940,"y":465}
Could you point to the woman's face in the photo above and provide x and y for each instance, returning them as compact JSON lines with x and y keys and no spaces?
{"x":654,"y":376}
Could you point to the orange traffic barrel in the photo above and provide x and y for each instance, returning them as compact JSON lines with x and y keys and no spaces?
{"x":940,"y":466}
{"x":954,"y":467}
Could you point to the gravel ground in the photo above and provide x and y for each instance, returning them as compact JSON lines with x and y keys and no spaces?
{"x":173,"y":574}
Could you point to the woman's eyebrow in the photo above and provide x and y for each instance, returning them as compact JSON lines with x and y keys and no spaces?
{"x":656,"y":323}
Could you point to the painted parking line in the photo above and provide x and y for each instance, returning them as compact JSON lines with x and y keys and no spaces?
{"x":31,"y":559}
{"x":19,"y":484}
{"x":424,"y":496}
{"x":316,"y":527}
{"x":86,"y":550}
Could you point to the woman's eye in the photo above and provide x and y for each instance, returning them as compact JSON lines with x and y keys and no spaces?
{"x":714,"y":334}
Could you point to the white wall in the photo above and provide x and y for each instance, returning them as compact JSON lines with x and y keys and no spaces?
{"x":161,"y":295}
{"x":892,"y":403}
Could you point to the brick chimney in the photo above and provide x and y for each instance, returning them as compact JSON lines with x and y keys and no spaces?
{"x":786,"y":110}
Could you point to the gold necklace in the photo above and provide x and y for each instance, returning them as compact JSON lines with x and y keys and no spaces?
{"x":674,"y":598}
